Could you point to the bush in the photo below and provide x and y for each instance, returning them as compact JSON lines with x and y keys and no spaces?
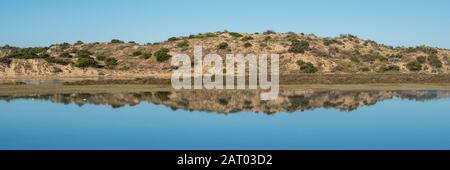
{"x":147,"y":55}
{"x":183,"y":44}
{"x":101,"y":57}
{"x":28,"y":53}
{"x":247,"y":38}
{"x":84,"y":53}
{"x":268,"y":38}
{"x":421,"y":59}
{"x":162,"y":55}
{"x":306,"y":67}
{"x":65,"y":55}
{"x":235,"y":34}
{"x":205,"y":35}
{"x":172,"y":39}
{"x":5,"y":61}
{"x":299,"y":46}
{"x":137,"y":53}
{"x":79,"y":43}
{"x":86,"y":62}
{"x":57,"y":61}
{"x":434,"y":61}
{"x":390,"y":68}
{"x":162,"y":95}
{"x":223,"y":102}
{"x":269,"y":32}
{"x":116,"y":41}
{"x":247,"y":45}
{"x":111,"y":62}
{"x":223,"y":45}
{"x":414,"y":66}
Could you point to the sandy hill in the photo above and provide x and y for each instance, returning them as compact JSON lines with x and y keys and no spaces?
{"x":299,"y":54}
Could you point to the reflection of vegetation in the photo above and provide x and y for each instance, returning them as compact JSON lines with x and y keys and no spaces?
{"x":289,"y":101}
{"x":163,"y":95}
{"x":223,"y":101}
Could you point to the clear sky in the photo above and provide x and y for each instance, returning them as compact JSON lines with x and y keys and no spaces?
{"x":398,"y":23}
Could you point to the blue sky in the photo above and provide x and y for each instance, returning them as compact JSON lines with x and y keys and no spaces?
{"x":44,"y":22}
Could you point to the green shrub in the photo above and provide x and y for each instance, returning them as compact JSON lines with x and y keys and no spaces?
{"x":299,"y":46}
{"x":205,"y":35}
{"x":79,"y":43}
{"x":57,"y":61}
{"x":137,"y":53}
{"x":434,"y":61}
{"x":162,"y":55}
{"x":65,"y":55}
{"x":111,"y":62}
{"x":172,"y":39}
{"x":414,"y":66}
{"x":83,"y":53}
{"x":390,"y":68}
{"x":247,"y":38}
{"x":6,"y":61}
{"x":269,"y":32}
{"x":147,"y":55}
{"x":421,"y":59}
{"x":247,"y":45}
{"x":101,"y":57}
{"x":116,"y":41}
{"x":306,"y":67}
{"x":235,"y":34}
{"x":65,"y":46}
{"x":223,"y":101}
{"x":183,"y":44}
{"x":223,"y":45}
{"x":268,"y":38}
{"x":163,"y":95}
{"x":28,"y":53}
{"x":86,"y":62}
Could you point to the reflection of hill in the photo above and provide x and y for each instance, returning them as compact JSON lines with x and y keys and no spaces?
{"x":236,"y":101}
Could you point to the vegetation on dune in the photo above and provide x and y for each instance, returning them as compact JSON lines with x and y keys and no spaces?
{"x":116,"y":41}
{"x":111,"y":62}
{"x":235,"y":34}
{"x":414,"y":66}
{"x":137,"y":53}
{"x":162,"y":55}
{"x":389,"y":69}
{"x":306,"y":67}
{"x":147,"y":55}
{"x":222,"y":45}
{"x":299,"y":46}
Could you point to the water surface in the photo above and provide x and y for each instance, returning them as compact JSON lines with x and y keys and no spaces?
{"x":299,"y":119}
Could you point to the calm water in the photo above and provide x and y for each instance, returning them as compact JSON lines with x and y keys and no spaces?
{"x":168,"y":120}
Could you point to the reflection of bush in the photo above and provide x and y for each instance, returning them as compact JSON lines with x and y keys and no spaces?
{"x":163,"y":95}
